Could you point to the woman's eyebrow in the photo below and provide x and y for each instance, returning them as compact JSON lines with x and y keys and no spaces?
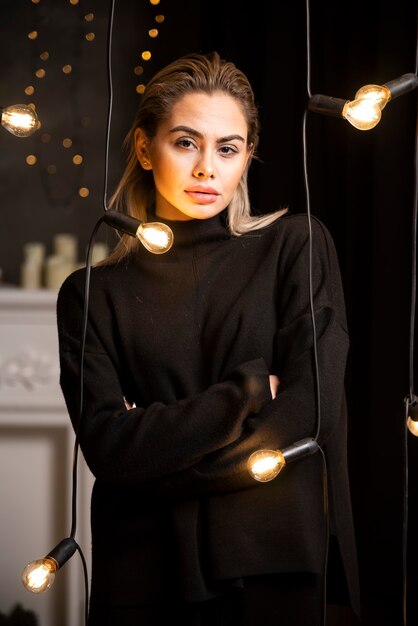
{"x":196,"y":133}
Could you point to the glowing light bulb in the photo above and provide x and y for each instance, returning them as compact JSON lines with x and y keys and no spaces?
{"x":377,"y":93}
{"x":264,"y":465}
{"x":38,"y":576}
{"x":19,"y":119}
{"x":362,"y":113}
{"x":412,"y":426}
{"x":156,"y":237}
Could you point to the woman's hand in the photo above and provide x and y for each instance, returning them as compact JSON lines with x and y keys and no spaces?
{"x":128,"y":405}
{"x":274,"y":385}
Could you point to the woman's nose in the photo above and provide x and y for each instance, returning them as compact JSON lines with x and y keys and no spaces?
{"x":204,"y":168}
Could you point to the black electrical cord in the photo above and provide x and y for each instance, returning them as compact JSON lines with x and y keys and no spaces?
{"x":405,"y":519}
{"x":308,"y":214}
{"x":85,"y":314}
{"x":88,"y":264}
{"x":411,"y":397}
{"x":312,"y":310}
{"x":110,"y":105}
{"x":316,"y":371}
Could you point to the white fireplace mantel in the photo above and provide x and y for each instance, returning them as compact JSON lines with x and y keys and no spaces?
{"x":36,"y":458}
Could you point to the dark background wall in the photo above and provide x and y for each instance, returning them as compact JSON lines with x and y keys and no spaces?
{"x":361,"y":186}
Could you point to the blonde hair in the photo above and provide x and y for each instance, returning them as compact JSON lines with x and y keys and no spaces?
{"x":195,"y":72}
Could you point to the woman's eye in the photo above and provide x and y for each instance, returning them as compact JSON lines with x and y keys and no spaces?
{"x":185,"y":143}
{"x":228,"y":150}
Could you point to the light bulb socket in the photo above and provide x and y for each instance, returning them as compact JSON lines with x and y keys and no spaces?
{"x":402,"y":85}
{"x":122,"y":222}
{"x":300,"y":449}
{"x":63,"y":551}
{"x":327,"y":105}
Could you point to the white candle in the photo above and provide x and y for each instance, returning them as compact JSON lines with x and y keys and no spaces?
{"x":31,"y":268}
{"x":31,"y":274}
{"x":34,"y":250}
{"x":57,"y":268}
{"x":65,"y":245}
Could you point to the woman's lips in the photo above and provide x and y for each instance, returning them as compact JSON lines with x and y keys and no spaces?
{"x":205,"y":195}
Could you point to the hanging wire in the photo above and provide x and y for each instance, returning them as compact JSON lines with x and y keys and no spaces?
{"x":409,"y":399}
{"x":312,"y":312}
{"x":308,"y":48}
{"x":308,"y":214}
{"x":110,"y":105}
{"x":405,"y":519}
{"x":85,"y":314}
{"x":89,"y":260}
{"x":414,"y":257}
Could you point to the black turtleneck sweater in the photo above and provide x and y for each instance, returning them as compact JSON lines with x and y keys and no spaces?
{"x":189,"y":337}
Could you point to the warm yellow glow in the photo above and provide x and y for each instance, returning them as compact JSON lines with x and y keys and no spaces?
{"x":153,"y":32}
{"x":38,"y":576}
{"x":363,"y":114}
{"x":146,"y":55}
{"x":377,"y":93}
{"x":412,"y":426}
{"x":31,"y":159}
{"x":83,"y":192}
{"x":40,"y":73}
{"x":20,"y":120}
{"x":264,"y":465}
{"x":155,"y":237}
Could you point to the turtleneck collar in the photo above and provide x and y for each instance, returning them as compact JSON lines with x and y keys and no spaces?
{"x":194,"y":236}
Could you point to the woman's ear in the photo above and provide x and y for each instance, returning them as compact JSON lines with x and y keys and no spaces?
{"x":141,"y":149}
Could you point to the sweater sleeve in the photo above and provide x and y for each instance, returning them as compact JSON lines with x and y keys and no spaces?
{"x":143,"y":445}
{"x":295,"y":413}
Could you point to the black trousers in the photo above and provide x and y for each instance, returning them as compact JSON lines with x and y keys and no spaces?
{"x":274,"y":600}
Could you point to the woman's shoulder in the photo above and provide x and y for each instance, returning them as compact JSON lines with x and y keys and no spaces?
{"x":300,"y":223}
{"x":75,"y":283}
{"x":295,"y":230}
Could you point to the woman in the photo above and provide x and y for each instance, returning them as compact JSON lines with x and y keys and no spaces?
{"x":195,"y":359}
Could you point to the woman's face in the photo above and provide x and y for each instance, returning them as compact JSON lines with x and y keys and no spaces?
{"x":197,"y":156}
